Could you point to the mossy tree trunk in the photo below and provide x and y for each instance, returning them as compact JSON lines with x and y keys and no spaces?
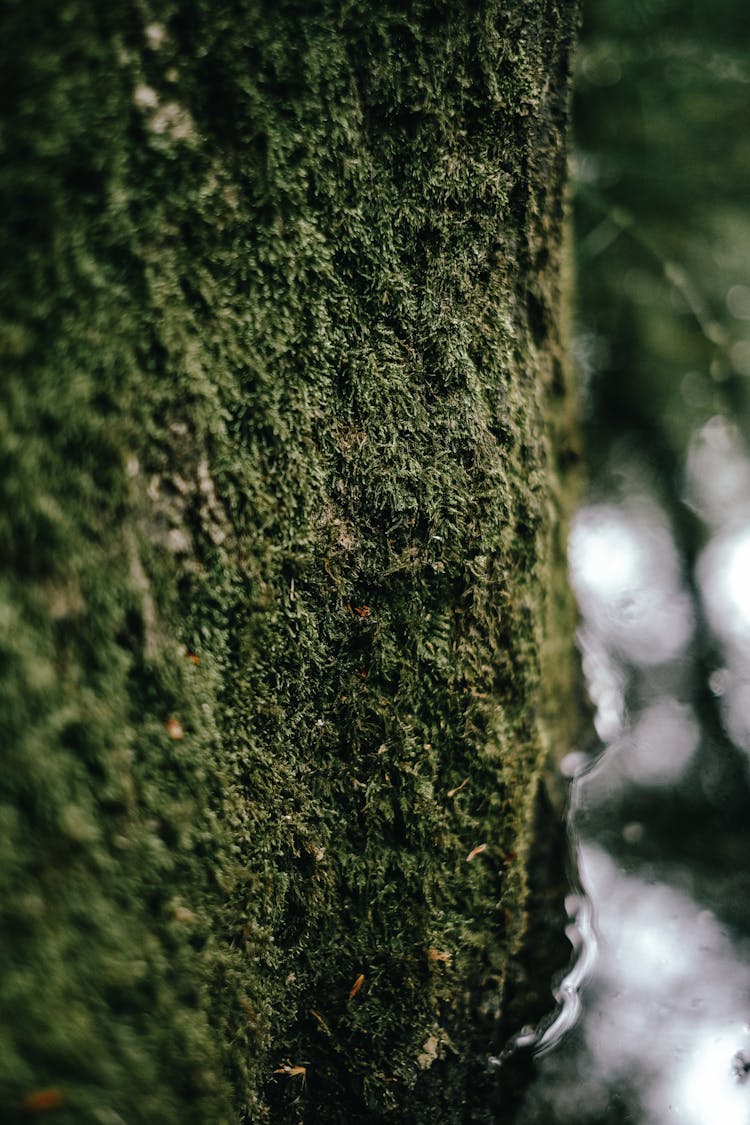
{"x":282,"y":409}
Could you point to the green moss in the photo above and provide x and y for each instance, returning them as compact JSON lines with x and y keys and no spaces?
{"x":279,"y":491}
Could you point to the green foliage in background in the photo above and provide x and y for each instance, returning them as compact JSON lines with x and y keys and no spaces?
{"x":281,"y":408}
{"x":663,"y":227}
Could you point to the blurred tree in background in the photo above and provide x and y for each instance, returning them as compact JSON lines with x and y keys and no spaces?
{"x":663,"y":343}
{"x":663,"y":228}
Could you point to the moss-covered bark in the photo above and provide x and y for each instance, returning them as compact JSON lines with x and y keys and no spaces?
{"x":281,"y":416}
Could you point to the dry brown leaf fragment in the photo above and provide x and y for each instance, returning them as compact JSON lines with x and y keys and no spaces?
{"x":357,"y":985}
{"x":452,"y":792}
{"x":438,"y":955}
{"x":49,"y":1098}
{"x":321,"y":1021}
{"x":174,"y":729}
{"x":290,"y":1071}
{"x":475,"y":852}
{"x":429,"y":1053}
{"x":184,"y":914}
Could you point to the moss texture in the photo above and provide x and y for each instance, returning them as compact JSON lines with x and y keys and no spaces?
{"x":282,"y":411}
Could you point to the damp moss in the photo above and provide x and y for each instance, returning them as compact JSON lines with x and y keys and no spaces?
{"x":282,"y":419}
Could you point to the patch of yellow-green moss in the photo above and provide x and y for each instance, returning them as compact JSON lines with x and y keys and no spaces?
{"x":279,"y":471}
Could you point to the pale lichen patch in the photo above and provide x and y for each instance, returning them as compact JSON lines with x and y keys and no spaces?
{"x":145,"y":97}
{"x":169,"y":119}
{"x":174,"y":121}
{"x":156,"y":33}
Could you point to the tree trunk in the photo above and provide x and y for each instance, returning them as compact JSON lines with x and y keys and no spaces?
{"x":284,"y":635}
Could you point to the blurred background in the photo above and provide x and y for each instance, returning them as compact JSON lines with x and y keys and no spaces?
{"x":655,"y":1018}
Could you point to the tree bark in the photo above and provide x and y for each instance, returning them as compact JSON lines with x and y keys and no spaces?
{"x":284,"y":634}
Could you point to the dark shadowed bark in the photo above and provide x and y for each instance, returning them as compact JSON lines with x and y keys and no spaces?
{"x":284,"y":635}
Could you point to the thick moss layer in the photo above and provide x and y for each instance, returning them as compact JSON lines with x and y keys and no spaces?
{"x":281,"y":411}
